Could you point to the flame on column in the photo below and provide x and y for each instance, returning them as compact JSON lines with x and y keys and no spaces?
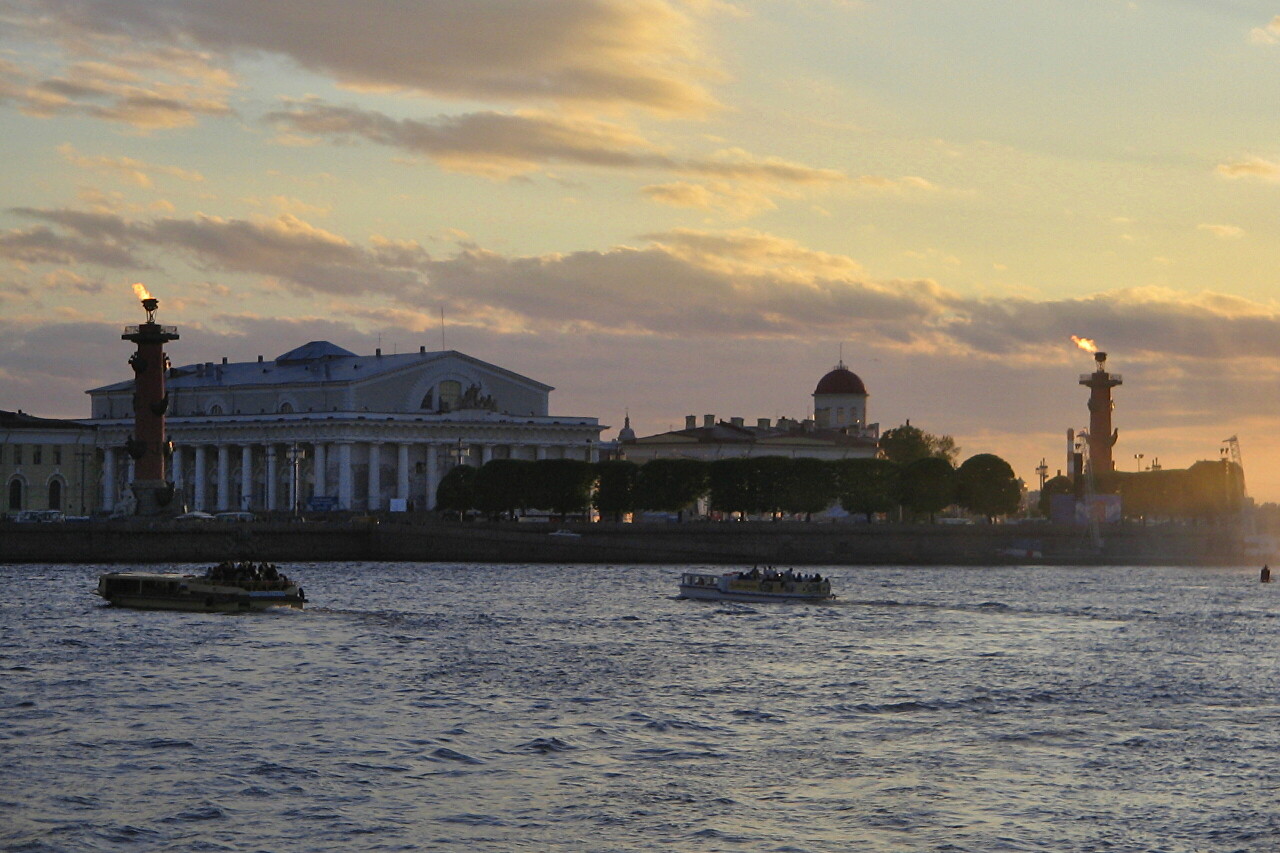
{"x":140,"y":290}
{"x":1085,"y":344}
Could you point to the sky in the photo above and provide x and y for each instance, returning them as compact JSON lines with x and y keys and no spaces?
{"x":670,"y":207}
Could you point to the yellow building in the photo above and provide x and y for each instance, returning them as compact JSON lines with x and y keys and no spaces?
{"x":47,"y":463}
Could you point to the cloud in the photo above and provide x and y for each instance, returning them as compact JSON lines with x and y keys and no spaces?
{"x":1226,"y":232}
{"x":1269,"y":34}
{"x":641,"y":53}
{"x":134,"y":171}
{"x":113,"y":81}
{"x":507,"y":144}
{"x":1254,"y":167}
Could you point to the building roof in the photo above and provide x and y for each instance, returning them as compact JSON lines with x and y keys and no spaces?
{"x":21,"y":420}
{"x":840,"y":380}
{"x":311,"y":363}
{"x":795,"y":433}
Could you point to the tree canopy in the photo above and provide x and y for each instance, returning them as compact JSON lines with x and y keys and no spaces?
{"x":928,"y":485}
{"x":906,"y":444}
{"x":987,"y":485}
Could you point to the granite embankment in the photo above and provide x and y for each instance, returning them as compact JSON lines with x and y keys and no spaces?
{"x":138,"y":541}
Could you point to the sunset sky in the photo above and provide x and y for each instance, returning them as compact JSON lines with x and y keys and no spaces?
{"x":669,"y":207}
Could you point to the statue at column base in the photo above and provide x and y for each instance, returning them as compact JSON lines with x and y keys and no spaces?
{"x":151,"y":497}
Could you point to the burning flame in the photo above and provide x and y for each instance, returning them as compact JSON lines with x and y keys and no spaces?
{"x":1085,"y":344}
{"x":141,"y":291}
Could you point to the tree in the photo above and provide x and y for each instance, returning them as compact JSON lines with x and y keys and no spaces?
{"x":734,"y":485}
{"x":809,"y":486}
{"x":928,"y":485}
{"x":561,"y":485}
{"x":457,"y":490}
{"x":502,"y":486}
{"x":1059,"y":485}
{"x":670,"y":485}
{"x":986,"y":485}
{"x":868,"y":486}
{"x":906,"y":444}
{"x":616,"y":482}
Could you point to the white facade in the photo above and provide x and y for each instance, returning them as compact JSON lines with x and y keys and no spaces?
{"x":322,"y":426}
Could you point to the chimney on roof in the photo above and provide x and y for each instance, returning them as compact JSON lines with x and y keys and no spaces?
{"x":378,"y":352}
{"x":259,"y":359}
{"x":708,"y":421}
{"x":422,"y":350}
{"x":738,"y":422}
{"x":762,"y":423}
{"x":224,"y":359}
{"x":690,"y":421}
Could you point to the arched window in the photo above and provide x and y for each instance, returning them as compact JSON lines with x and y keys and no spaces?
{"x":55,"y":494}
{"x":15,"y":495}
{"x":450,"y":395}
{"x":286,"y":408}
{"x":215,"y":409}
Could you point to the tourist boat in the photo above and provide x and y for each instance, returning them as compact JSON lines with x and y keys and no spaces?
{"x":226,"y":588}
{"x":756,"y":585}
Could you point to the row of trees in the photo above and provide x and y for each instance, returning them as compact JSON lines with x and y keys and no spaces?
{"x":766,"y":485}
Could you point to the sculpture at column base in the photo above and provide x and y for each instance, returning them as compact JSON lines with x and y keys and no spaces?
{"x":151,"y":497}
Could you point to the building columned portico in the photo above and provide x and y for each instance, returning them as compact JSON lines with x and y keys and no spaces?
{"x":322,"y":427}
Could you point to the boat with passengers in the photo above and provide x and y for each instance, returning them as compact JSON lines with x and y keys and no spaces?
{"x":224,"y":588}
{"x":767,"y":584}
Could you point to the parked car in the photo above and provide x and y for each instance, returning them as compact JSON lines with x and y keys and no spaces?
{"x":234,"y":516}
{"x":194,"y":515}
{"x":39,"y":516}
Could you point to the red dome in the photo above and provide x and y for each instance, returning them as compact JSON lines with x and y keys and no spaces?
{"x":842,"y":380}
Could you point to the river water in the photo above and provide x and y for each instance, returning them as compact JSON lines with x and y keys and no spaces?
{"x":571,"y":708}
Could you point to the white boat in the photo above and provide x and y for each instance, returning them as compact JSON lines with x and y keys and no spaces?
{"x":226,"y":588}
{"x":756,"y":585}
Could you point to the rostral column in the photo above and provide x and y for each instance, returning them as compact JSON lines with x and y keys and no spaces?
{"x":149,"y":445}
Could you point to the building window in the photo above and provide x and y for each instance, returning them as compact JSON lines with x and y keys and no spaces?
{"x":37,"y":454}
{"x":17,"y":454}
{"x":55,"y":494}
{"x":15,"y":495}
{"x":215,"y":409}
{"x":57,"y":454}
{"x":450,"y":395}
{"x":286,"y":408}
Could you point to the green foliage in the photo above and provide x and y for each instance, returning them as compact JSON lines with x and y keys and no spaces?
{"x":502,"y":487}
{"x":616,"y":483}
{"x":906,"y":444}
{"x":457,"y":490}
{"x":808,"y":486}
{"x":928,"y":485}
{"x":561,"y":485}
{"x":670,"y":485}
{"x":868,"y":486}
{"x":987,"y":485}
{"x":1059,"y":485}
{"x":734,"y":485}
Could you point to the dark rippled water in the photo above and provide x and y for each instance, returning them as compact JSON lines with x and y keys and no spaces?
{"x":550,"y":708}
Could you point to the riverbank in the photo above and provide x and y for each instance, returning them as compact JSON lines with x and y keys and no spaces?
{"x":140,"y":541}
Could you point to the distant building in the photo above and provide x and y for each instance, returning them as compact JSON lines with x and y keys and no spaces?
{"x":837,"y":431}
{"x":47,"y":463}
{"x":323,"y":427}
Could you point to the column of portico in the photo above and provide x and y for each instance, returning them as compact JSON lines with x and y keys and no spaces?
{"x":198,"y":500}
{"x":541,"y":452}
{"x":246,"y":476}
{"x":318,"y":470}
{"x":402,"y":472}
{"x":486,"y":453}
{"x":272,"y":503}
{"x":433,"y":475}
{"x":344,"y":475}
{"x":375,"y":476}
{"x":223,"y":497}
{"x":108,"y":478}
{"x":592,"y":454}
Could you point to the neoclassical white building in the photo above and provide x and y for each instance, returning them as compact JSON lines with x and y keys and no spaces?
{"x":323,"y":427}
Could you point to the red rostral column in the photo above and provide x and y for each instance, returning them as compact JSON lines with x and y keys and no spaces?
{"x":1101,"y":436}
{"x":148,"y":445}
